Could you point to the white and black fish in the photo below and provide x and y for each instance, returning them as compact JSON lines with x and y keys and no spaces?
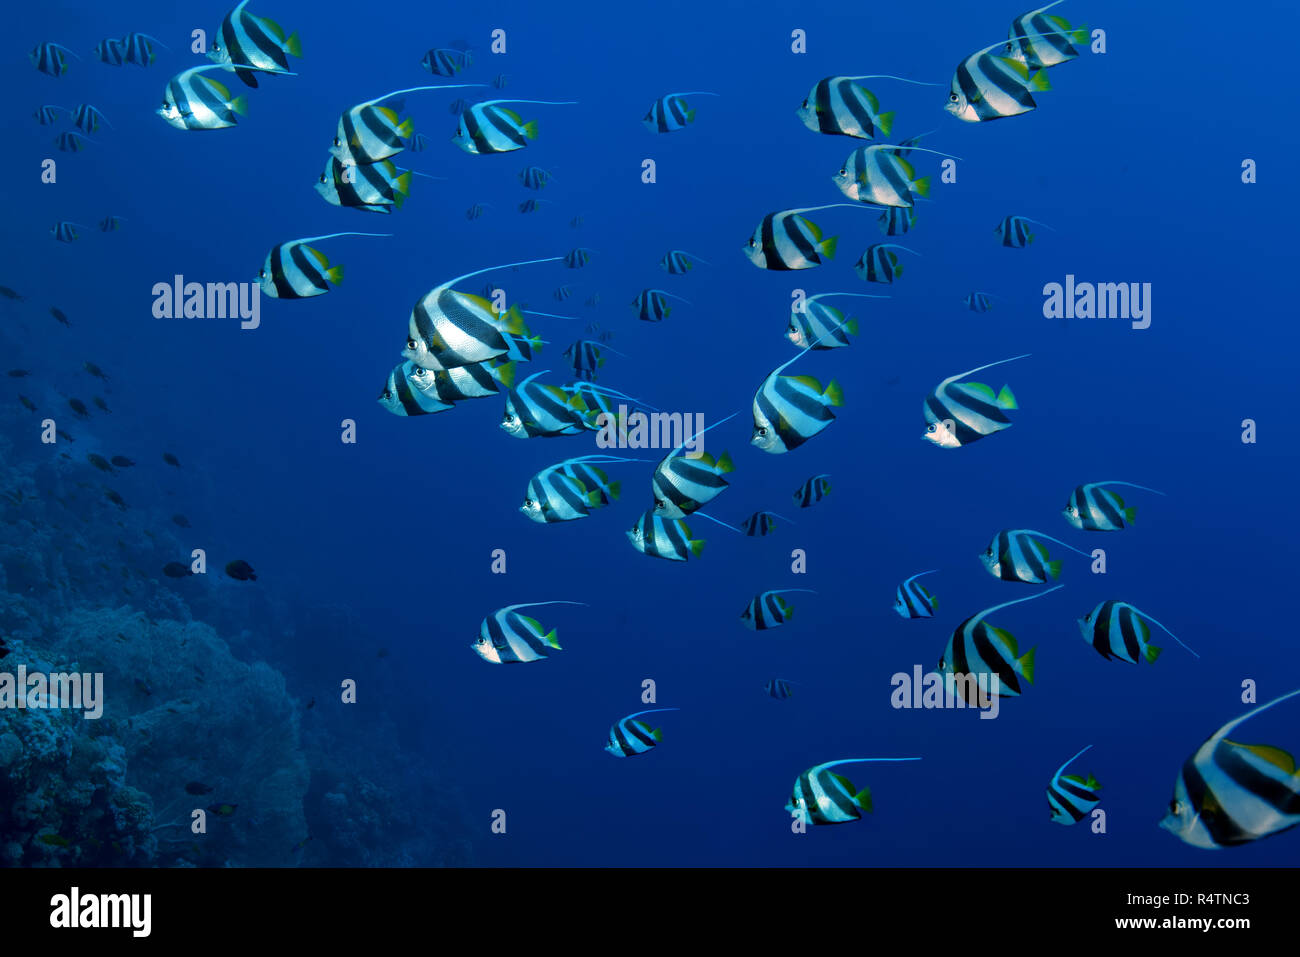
{"x":534,"y":177}
{"x":1014,"y":232}
{"x":988,"y":86}
{"x":66,"y":232}
{"x":839,"y":105}
{"x":507,"y":637}
{"x":577,"y":257}
{"x":959,"y":413}
{"x":46,"y":114}
{"x":111,"y":223}
{"x":820,"y":796}
{"x":683,"y":485}
{"x":1071,"y":797}
{"x":1016,"y":555}
{"x":671,"y":112}
{"x":1094,"y":508}
{"x":48,"y":58}
{"x":779,"y":688}
{"x":369,"y":186}
{"x":678,"y":261}
{"x":446,"y":62}
{"x":790,"y":410}
{"x":880,"y":264}
{"x":785,"y":240}
{"x":1039,"y":40}
{"x":535,"y":410}
{"x":370,"y":132}
{"x":87,"y":118}
{"x":629,"y":737}
{"x":111,"y":51}
{"x":1118,"y":630}
{"x":815,"y":325}
{"x":192,"y":101}
{"x":667,"y":538}
{"x":1228,"y":794}
{"x":651,"y":305}
{"x":761,"y":523}
{"x":475,"y":211}
{"x":69,"y":142}
{"x":249,"y":44}
{"x":769,"y":610}
{"x":812,"y":491}
{"x":978,"y":302}
{"x":475,"y":381}
{"x":137,"y":48}
{"x":876,"y":174}
{"x":897,"y":220}
{"x":488,"y":127}
{"x":912,"y":600}
{"x":552,"y":496}
{"x":979,"y":652}
{"x":400,"y":397}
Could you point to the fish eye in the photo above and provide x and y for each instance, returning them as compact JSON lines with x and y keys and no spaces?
{"x":930,"y":428}
{"x":751,"y":242}
{"x":337,"y":141}
{"x":843,"y":172}
{"x":762,"y":431}
{"x":322,"y":177}
{"x":953,"y":97}
{"x":1174,"y":807}
{"x":410,"y":343}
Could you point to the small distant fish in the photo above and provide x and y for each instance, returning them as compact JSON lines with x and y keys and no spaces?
{"x":769,"y":610}
{"x":879,"y":264}
{"x":785,"y":240}
{"x":507,"y":637}
{"x":979,"y":652}
{"x":988,"y":87}
{"x":94,"y":370}
{"x":790,"y":410}
{"x":534,"y":177}
{"x":897,"y":220}
{"x":1118,"y":630}
{"x":1228,"y":794}
{"x":101,"y":404}
{"x":816,"y":325}
{"x":577,"y":258}
{"x":561,"y":293}
{"x":88,"y":118}
{"x":66,"y":232}
{"x":1039,"y":40}
{"x":177,"y":570}
{"x":812,"y":491}
{"x":250,"y":44}
{"x":671,"y":112}
{"x":294,"y":270}
{"x":458,"y":106}
{"x":682,"y":485}
{"x":531,"y":205}
{"x":29,"y":405}
{"x":664,"y":538}
{"x":978,"y":302}
{"x":192,"y":101}
{"x":48,"y":58}
{"x":143,"y":687}
{"x":419,"y":143}
{"x":121,"y":461}
{"x":446,"y":62}
{"x":198,"y":787}
{"x":19,"y":373}
{"x":651,"y":305}
{"x":99,"y":462}
{"x":778,"y":688}
{"x":629,"y":737}
{"x":912,"y":600}
{"x":575,"y":222}
{"x":11,"y":294}
{"x":171,"y":459}
{"x":475,"y":211}
{"x":1070,"y":797}
{"x":959,"y":413}
{"x":760,"y":524}
{"x":678,"y":261}
{"x":501,"y":81}
{"x":821,"y":796}
{"x":240,"y":570}
{"x":488,"y":127}
{"x":111,"y":51}
{"x":138,"y":48}
{"x":592,"y":300}
{"x":1094,"y":508}
{"x":68,"y":142}
{"x":46,"y":114}
{"x":79,"y":407}
{"x":114,"y":498}
{"x":1014,"y":231}
{"x":181,"y":520}
{"x":1016,"y":555}
{"x":223,"y":810}
{"x":59,"y":316}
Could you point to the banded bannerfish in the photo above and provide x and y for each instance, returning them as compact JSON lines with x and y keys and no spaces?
{"x":1039,"y":40}
{"x":912,"y":600}
{"x":577,"y":257}
{"x":978,"y":302}
{"x":111,"y":51}
{"x":878,"y":264}
{"x":1014,"y":232}
{"x":959,"y":413}
{"x":667,"y":538}
{"x":790,"y":410}
{"x":419,"y":143}
{"x":678,"y":261}
{"x":195,"y":102}
{"x":501,"y":81}
{"x":69,"y":142}
{"x":534,"y":410}
{"x":532,"y":205}
{"x":506,"y":637}
{"x":874,"y":174}
{"x":137,"y":48}
{"x":561,"y":293}
{"x":87,"y":118}
{"x":684,"y":485}
{"x":48,"y":58}
{"x":821,"y":796}
{"x":761,"y":523}
{"x":812,"y":491}
{"x":1093,"y":508}
{"x":1228,"y":794}
{"x":365,"y":186}
{"x":552,"y":496}
{"x":671,"y":112}
{"x":584,"y":470}
{"x":400,"y":397}
{"x":446,"y":62}
{"x":65,"y":231}
{"x":838,"y":105}
{"x":111,"y":223}
{"x":769,"y":610}
{"x":778,"y":688}
{"x":489,"y":128}
{"x":785,"y":240}
{"x":250,"y":44}
{"x":816,"y":326}
{"x":651,"y":305}
{"x":475,"y":381}
{"x":534,"y":177}
{"x":988,"y":87}
{"x":897,"y":220}
{"x":981,"y":652}
{"x":1118,"y":630}
{"x":1016,"y":555}
{"x":294,"y":270}
{"x":46,"y":115}
{"x":629,"y":737}
{"x":475,"y":211}
{"x":449,"y":328}
{"x":368,"y":132}
{"x":1070,"y":797}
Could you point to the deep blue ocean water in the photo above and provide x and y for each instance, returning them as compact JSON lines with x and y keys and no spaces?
{"x":1134,"y":158}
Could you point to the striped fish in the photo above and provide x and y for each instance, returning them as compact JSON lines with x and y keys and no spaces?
{"x":1093,"y":508}
{"x":506,"y":637}
{"x":46,"y":116}
{"x":769,"y":610}
{"x":1228,"y":794}
{"x":897,"y":220}
{"x":458,"y":106}
{"x":586,"y":357}
{"x":577,"y":257}
{"x":978,"y":302}
{"x":1016,"y":555}
{"x":1118,"y":630}
{"x":959,"y":413}
{"x":66,"y":232}
{"x":501,"y":81}
{"x":879,"y":264}
{"x":294,"y":270}
{"x":48,"y":58}
{"x":575,"y":222}
{"x":111,"y":51}
{"x":449,"y":328}
{"x":670,"y":112}
{"x":87,"y":118}
{"x":534,"y":410}
{"x":534,"y":177}
{"x":490,"y":128}
{"x":912,"y":600}
{"x":814,"y":325}
{"x":445,"y":62}
{"x":561,"y":293}
{"x":592,"y":300}
{"x":874,"y":174}
{"x":400,"y":397}
{"x":786,"y":240}
{"x":368,"y":185}
{"x":137,"y":48}
{"x":584,"y":470}
{"x":71,"y":142}
{"x":1070,"y":797}
{"x":812,"y":491}
{"x":821,"y":796}
{"x":532,"y":205}
{"x":651,"y":305}
{"x":837,"y":105}
{"x":987,"y":87}
{"x":761,"y":523}
{"x":684,"y":485}
{"x":982,"y":652}
{"x":677,"y":261}
{"x":905,"y":148}
{"x":553,"y":496}
{"x":476,"y":381}
{"x":629,"y":737}
{"x":665,"y":538}
{"x":1014,"y":232}
{"x":250,"y":44}
{"x":195,"y":102}
{"x":790,"y":410}
{"x":1040,"y":41}
{"x":368,"y":132}
{"x":475,"y":211}
{"x":110,"y":224}
{"x":778,"y":688}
